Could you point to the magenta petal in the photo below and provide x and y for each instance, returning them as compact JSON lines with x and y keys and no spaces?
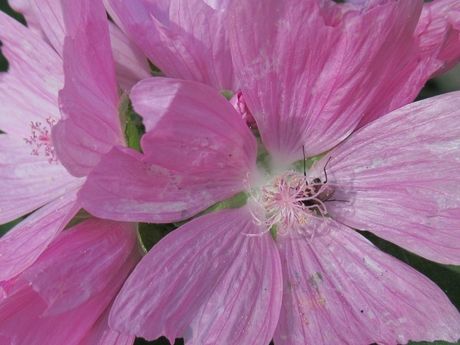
{"x":399,"y":177}
{"x":102,"y":334}
{"x":197,"y":151}
{"x":341,"y":289}
{"x":309,"y":72}
{"x":23,"y":244}
{"x":28,"y":182}
{"x":28,"y":91}
{"x":185,"y":39}
{"x":70,"y":285}
{"x":208,"y":282}
{"x":96,"y":249}
{"x":131,"y":64}
{"x":89,"y":100}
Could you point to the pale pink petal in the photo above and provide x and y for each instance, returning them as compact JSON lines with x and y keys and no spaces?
{"x":399,"y":178}
{"x":24,"y":7}
{"x":184,"y":39}
{"x":131,"y":64}
{"x":70,"y":285}
{"x":341,"y":289}
{"x":197,"y":151}
{"x":28,"y":91}
{"x":23,"y":244}
{"x":28,"y":182}
{"x":190,"y":114}
{"x":439,"y":32}
{"x":218,"y":4}
{"x":50,"y":17}
{"x":208,"y":282}
{"x":310,"y":72}
{"x":89,"y":100}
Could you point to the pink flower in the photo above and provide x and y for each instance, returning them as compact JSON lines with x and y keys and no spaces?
{"x":58,"y":288}
{"x":46,"y":18}
{"x":270,"y":264}
{"x":225,"y":279}
{"x":29,"y":98}
{"x":184,"y":39}
{"x":65,"y":295}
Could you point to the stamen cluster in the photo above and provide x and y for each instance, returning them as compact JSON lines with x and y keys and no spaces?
{"x":290,"y":199}
{"x":41,"y":136}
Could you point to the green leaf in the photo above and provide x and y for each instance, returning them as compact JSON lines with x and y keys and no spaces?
{"x":4,"y":228}
{"x":228,"y":94}
{"x":150,"y":234}
{"x":439,"y":342}
{"x":131,"y":123}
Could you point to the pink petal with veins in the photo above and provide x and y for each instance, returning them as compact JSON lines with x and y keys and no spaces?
{"x":439,"y":32}
{"x":29,"y":181}
{"x":340,"y":289}
{"x":184,"y":39}
{"x":23,"y":244}
{"x":304,"y":74}
{"x":218,"y":284}
{"x":89,"y":100}
{"x":102,"y":334}
{"x":70,"y":285}
{"x":131,"y":64}
{"x":28,"y":91}
{"x":398,"y":178}
{"x":197,"y":151}
{"x":51,"y":20}
{"x":312,"y":72}
{"x":25,"y":8}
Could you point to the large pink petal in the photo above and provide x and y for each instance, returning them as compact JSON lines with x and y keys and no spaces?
{"x":341,"y":289}
{"x":399,"y":178}
{"x":439,"y":32}
{"x":23,"y":244}
{"x":59,"y":298}
{"x":185,"y":39}
{"x":208,"y":282}
{"x":131,"y":64}
{"x":28,"y":91}
{"x":50,"y":17}
{"x":102,"y":334}
{"x":99,"y":250}
{"x":197,"y":151}
{"x":438,"y":35}
{"x":89,"y":100}
{"x":24,"y":7}
{"x":28,"y":182}
{"x":310,"y":72}
{"x":191,"y":116}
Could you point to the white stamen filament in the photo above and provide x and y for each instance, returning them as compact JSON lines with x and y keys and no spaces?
{"x":288,"y":201}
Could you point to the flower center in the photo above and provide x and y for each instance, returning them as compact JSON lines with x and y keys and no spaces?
{"x":290,"y":199}
{"x":40,"y":139}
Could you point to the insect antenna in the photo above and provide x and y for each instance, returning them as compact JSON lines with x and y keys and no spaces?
{"x":324,"y":169}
